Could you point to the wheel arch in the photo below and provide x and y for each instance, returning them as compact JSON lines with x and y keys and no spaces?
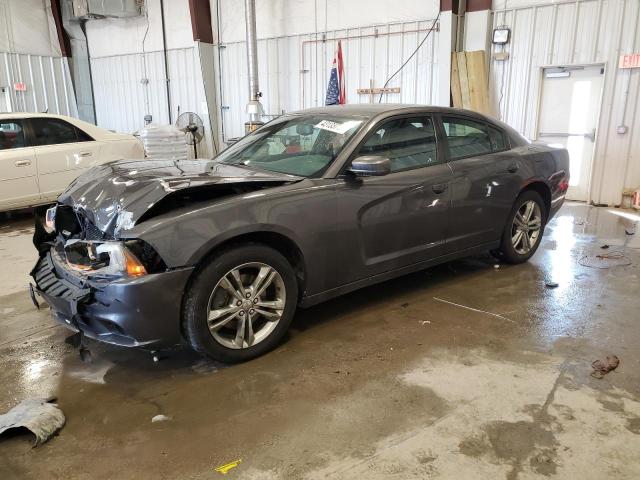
{"x":543,"y":190}
{"x":280,"y":242}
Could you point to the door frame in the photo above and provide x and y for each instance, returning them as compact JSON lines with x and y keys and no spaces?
{"x":603,"y":66}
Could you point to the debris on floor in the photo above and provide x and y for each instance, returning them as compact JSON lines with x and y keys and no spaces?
{"x":474,"y":309}
{"x":206,"y":366}
{"x":551,"y":284}
{"x":605,"y":260}
{"x":602,"y":367}
{"x":160,"y":418}
{"x":224,"y":469}
{"x":40,"y":416}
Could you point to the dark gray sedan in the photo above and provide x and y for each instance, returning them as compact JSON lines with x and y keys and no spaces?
{"x":314,"y":204}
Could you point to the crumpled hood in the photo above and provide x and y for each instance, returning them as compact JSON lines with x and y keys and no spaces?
{"x":113,"y":196}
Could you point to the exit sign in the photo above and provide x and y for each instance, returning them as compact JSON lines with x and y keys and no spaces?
{"x":630,"y":61}
{"x":20,"y":87}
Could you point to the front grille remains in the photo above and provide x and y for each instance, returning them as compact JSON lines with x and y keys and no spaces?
{"x":47,"y":281}
{"x":51,"y":284}
{"x":91,"y":232}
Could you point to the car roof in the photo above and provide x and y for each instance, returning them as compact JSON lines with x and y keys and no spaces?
{"x":94,"y":131}
{"x":18,"y":115}
{"x":370,"y":110}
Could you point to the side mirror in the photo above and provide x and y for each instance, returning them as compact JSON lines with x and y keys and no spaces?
{"x":370,"y":166}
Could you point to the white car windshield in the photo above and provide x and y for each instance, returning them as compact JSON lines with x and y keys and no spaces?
{"x":302,"y":145}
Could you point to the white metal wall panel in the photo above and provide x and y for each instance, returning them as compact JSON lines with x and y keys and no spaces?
{"x":294,"y":70}
{"x":27,"y":26}
{"x":576,"y":32}
{"x":47,"y":79}
{"x":122,"y":99}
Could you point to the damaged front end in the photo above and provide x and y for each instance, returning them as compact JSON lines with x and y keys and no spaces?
{"x":101,"y":282}
{"x":116,"y":291}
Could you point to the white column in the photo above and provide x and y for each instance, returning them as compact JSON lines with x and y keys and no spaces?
{"x":446,"y":42}
{"x":477,"y":31}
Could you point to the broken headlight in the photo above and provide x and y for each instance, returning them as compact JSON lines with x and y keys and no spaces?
{"x":103,"y":258}
{"x":50,"y":220}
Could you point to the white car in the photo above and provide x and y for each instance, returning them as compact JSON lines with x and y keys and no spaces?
{"x":40,"y":154}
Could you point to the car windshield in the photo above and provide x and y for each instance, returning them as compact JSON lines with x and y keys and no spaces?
{"x":302,"y":145}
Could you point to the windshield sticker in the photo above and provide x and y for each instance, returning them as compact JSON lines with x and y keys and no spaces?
{"x":337,"y":127}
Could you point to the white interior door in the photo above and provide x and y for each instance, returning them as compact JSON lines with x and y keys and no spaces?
{"x":569,"y":111}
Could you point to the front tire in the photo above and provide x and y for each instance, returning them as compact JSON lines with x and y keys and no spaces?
{"x":240,"y":304}
{"x":524,"y":228}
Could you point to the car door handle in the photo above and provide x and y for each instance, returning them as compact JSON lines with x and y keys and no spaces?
{"x":513,"y":168}
{"x":85,"y":154}
{"x":23,"y":163}
{"x":439,"y":187}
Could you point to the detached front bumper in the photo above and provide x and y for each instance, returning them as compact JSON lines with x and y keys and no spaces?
{"x":141,"y":311}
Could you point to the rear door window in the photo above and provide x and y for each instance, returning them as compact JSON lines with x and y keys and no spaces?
{"x":53,"y":131}
{"x":11,"y":134}
{"x":466,"y":138}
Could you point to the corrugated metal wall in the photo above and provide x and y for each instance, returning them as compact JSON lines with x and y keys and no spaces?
{"x":294,"y":70}
{"x":574,"y":33}
{"x":48,"y":83}
{"x":122,"y":99}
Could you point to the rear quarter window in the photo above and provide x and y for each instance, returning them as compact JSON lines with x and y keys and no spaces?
{"x":499,"y":141}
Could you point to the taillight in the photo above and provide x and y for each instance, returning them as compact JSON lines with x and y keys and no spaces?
{"x":564,"y":186}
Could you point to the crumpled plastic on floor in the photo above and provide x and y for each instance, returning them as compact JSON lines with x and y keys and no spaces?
{"x":602,"y":367}
{"x":40,"y":416}
{"x":160,"y":418}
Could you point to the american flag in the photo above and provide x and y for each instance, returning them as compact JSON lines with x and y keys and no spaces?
{"x":335,"y":91}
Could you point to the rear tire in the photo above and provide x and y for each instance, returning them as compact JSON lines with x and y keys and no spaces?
{"x":240,"y":303}
{"x":524,"y":228}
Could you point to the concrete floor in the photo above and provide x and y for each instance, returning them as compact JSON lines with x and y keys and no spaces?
{"x":462,"y":371}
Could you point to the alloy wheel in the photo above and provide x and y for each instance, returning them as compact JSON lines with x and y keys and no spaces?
{"x":246,"y":305}
{"x":526,"y":227}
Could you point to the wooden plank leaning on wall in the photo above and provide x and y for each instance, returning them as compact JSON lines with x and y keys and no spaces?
{"x":469,"y":81}
{"x":456,"y":93}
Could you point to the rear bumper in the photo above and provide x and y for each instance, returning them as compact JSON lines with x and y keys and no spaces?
{"x":131,"y":312}
{"x":556,"y":203}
